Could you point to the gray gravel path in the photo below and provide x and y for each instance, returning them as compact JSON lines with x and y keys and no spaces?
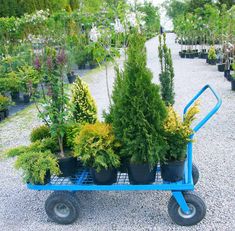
{"x":214,"y":154}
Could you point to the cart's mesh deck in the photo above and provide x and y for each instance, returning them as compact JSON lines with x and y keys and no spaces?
{"x":83,"y":177}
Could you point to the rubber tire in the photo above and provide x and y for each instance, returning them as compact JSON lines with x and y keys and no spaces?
{"x":69,"y":199}
{"x":196,"y":201}
{"x":195,"y":174}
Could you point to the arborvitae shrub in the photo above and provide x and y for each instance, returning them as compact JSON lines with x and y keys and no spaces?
{"x":137,"y":112}
{"x":167,"y":72}
{"x":83,"y":105}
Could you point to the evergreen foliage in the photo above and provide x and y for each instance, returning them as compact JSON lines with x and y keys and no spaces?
{"x":35,"y":165}
{"x":177,"y":132}
{"x":167,"y":72}
{"x":137,"y":112}
{"x":83,"y":105}
{"x":212,"y":53}
{"x":40,"y":133}
{"x":96,"y":145}
{"x":19,"y":7}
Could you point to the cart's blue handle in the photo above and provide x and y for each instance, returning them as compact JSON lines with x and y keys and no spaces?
{"x":188,"y":166}
{"x":211,"y":113}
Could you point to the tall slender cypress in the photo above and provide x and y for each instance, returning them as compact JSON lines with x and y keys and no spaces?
{"x":137,"y":112}
{"x":167,"y":72}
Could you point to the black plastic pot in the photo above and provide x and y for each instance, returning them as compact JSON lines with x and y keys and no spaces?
{"x":15,"y":96}
{"x":190,"y":55}
{"x":2,"y":115}
{"x":6,"y":113}
{"x":212,"y":61}
{"x":71,"y":78}
{"x":233,"y":84}
{"x":68,"y":166}
{"x":172,"y":171}
{"x":141,"y":173}
{"x":104,"y":177}
{"x":182,"y":54}
{"x":226,"y":73}
{"x":82,"y":66}
{"x":221,"y":67}
{"x":26,"y":98}
{"x":229,"y":77}
{"x":92,"y":65}
{"x":204,"y":55}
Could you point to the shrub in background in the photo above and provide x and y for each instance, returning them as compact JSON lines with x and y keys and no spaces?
{"x":5,"y":102}
{"x":212,"y":53}
{"x":40,"y":133}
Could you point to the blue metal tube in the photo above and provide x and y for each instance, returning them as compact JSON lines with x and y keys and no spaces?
{"x":199,"y":125}
{"x":181,"y":201}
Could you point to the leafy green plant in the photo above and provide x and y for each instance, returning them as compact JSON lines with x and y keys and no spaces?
{"x":177,"y":133}
{"x":212,"y":53}
{"x":55,"y":101}
{"x":137,"y":112}
{"x":40,"y":133}
{"x":72,"y":131}
{"x":167,"y":72}
{"x":5,"y":102}
{"x":96,"y":145}
{"x":83,"y":105}
{"x":151,"y":18}
{"x":35,"y":166}
{"x":29,"y":79}
{"x":13,"y":152}
{"x":42,"y":145}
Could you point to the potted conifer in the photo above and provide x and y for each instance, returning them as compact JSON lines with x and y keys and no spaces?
{"x":96,"y":146}
{"x":37,"y":166}
{"x":137,"y":114}
{"x":212,"y":58}
{"x":177,"y":135}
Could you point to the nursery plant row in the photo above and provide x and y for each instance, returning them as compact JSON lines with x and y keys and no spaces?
{"x":87,"y":37}
{"x":209,"y":33}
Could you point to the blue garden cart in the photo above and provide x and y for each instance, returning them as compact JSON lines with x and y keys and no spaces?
{"x":185,"y":207}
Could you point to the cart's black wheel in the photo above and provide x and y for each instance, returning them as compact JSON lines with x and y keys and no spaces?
{"x":62,"y":207}
{"x":195,"y":174}
{"x":197,"y":210}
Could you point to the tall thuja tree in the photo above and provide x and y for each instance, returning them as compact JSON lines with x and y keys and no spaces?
{"x":137,"y":112}
{"x":167,"y":72}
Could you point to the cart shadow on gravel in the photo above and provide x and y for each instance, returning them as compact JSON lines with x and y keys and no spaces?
{"x":113,"y":207}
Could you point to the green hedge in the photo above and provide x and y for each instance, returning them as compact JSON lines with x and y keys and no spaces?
{"x":19,"y":7}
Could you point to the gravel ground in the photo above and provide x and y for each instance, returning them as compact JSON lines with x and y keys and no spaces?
{"x":214,"y":149}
